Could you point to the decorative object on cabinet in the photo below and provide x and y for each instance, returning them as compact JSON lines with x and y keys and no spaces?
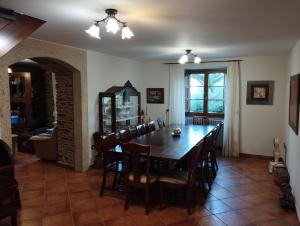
{"x":260,"y":92}
{"x":294,"y":103}
{"x":155,"y":95}
{"x":119,"y":107}
{"x":20,"y":99}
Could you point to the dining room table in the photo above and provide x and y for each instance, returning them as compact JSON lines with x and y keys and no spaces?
{"x":166,"y":146}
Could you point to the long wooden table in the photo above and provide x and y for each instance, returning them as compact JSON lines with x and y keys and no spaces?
{"x":166,"y":147}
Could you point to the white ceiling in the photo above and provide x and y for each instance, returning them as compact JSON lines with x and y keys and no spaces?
{"x":164,"y":29}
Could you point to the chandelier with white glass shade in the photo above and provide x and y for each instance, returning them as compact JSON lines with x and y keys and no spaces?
{"x":112,"y":25}
{"x":185,"y":58}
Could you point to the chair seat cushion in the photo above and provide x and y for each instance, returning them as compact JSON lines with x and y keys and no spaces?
{"x":143,"y":180}
{"x":175,"y":178}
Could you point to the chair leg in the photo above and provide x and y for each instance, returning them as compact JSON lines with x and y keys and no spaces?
{"x":14,"y":218}
{"x":103,"y":183}
{"x":115,"y":180}
{"x":161,"y":200}
{"x":209,"y":182}
{"x":147,"y":200}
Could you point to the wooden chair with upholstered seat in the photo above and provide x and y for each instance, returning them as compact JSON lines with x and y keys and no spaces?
{"x":124,"y":135}
{"x":183,"y":179}
{"x":151,"y":126}
{"x":133,"y":132}
{"x":161,"y":122}
{"x":203,"y":169}
{"x":141,"y":129}
{"x":213,"y":159}
{"x":136,"y":158}
{"x":111,"y":162}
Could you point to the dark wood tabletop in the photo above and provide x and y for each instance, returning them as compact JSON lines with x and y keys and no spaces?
{"x":166,"y":147}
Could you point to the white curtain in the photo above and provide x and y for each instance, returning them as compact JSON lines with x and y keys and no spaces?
{"x":176,"y":100}
{"x":231,"y":143}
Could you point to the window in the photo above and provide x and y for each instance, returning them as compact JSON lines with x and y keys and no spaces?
{"x":204,"y":92}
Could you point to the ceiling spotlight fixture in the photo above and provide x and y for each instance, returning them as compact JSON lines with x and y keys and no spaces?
{"x":112,"y":25}
{"x":185,"y":58}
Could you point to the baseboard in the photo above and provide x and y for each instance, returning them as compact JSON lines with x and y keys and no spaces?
{"x":245,"y":155}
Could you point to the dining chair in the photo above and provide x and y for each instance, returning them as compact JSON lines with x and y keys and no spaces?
{"x":124,"y":135}
{"x":161,"y":122}
{"x":133,"y":132}
{"x":136,"y":158}
{"x":183,"y":179}
{"x":213,"y":159}
{"x":111,"y":162}
{"x":141,"y":129}
{"x":151,"y":126}
{"x":203,"y":169}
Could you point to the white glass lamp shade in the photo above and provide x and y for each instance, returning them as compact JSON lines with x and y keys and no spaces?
{"x":183,"y":59}
{"x":9,"y":70}
{"x":94,"y":31}
{"x":112,"y":25}
{"x":126,"y":33}
{"x":197,"y":60}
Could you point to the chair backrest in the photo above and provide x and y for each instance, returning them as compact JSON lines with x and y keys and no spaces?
{"x":108,"y":141}
{"x":200,"y":120}
{"x":151,"y":126}
{"x":216,"y":132}
{"x":141,"y":129}
{"x":208,"y":142}
{"x":136,"y":158}
{"x":133,"y":132}
{"x":161,"y":122}
{"x":97,"y":142}
{"x":124,"y":135}
{"x":193,"y":161}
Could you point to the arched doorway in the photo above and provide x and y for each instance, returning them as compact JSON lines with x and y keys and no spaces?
{"x":65,"y":103}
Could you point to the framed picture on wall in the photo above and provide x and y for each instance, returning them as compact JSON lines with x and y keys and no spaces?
{"x":294,"y":103}
{"x":260,"y":92}
{"x":155,"y":95}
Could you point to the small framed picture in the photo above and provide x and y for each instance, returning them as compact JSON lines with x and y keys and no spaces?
{"x":260,"y":92}
{"x":155,"y":95}
{"x":294,"y":103}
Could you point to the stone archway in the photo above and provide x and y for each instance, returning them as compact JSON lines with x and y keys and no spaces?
{"x":62,"y":61}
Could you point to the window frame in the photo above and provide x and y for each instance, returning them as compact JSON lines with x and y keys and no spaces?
{"x":206,"y":73}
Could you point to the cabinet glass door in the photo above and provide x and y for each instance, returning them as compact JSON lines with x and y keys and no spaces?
{"x":107,"y":114}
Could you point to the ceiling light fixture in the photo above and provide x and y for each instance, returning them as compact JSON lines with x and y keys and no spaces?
{"x":185,"y":58}
{"x":112,"y":25}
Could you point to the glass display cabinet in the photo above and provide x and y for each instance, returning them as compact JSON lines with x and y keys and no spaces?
{"x":119,"y":107}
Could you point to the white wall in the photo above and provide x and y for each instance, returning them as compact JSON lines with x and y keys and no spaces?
{"x":104,"y":71}
{"x":259,"y":123}
{"x":292,"y":140}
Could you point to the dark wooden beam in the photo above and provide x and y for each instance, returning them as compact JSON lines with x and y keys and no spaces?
{"x":14,"y":28}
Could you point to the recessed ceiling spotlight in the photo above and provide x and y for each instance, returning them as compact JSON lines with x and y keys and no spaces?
{"x":112,"y":25}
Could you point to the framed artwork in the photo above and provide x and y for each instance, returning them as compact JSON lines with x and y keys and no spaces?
{"x":294,"y":103}
{"x":260,"y":92}
{"x":155,"y":95}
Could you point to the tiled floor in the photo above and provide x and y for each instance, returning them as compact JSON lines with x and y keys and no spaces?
{"x":243,"y":194}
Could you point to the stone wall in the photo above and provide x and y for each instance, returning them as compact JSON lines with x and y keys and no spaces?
{"x":65,"y":117}
{"x":72,"y":59}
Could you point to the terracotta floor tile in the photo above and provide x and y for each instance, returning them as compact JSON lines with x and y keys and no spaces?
{"x":233,"y":218}
{"x":53,"y":195}
{"x":124,"y":221}
{"x":86,"y":217}
{"x":236,"y":203}
{"x":217,"y":207}
{"x":63,"y":219}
